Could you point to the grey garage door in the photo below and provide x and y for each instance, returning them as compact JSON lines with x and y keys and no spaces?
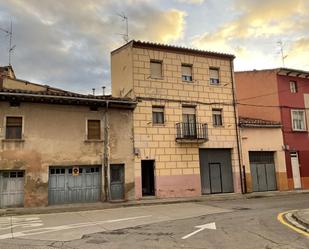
{"x":67,"y":186}
{"x":216,"y":171}
{"x":263,"y":171}
{"x":11,"y":189}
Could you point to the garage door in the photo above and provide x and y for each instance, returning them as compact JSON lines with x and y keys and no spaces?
{"x":216,"y":171}
{"x":74,"y":184}
{"x":263,"y":171}
{"x":11,"y":189}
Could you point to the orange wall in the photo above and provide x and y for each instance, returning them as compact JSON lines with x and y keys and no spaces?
{"x":254,"y":84}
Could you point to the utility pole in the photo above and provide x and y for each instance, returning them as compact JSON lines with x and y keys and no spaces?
{"x":10,"y":34}
{"x":283,"y":56}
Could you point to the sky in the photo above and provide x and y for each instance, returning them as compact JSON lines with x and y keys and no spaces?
{"x":67,"y":43}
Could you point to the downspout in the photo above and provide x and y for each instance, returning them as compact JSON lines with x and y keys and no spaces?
{"x":106,"y":156}
{"x":236,"y":127}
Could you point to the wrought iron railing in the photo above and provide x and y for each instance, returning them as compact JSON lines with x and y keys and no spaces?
{"x":191,"y":131}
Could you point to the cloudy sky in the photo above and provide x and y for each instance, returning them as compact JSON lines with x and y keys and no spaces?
{"x":67,"y":43}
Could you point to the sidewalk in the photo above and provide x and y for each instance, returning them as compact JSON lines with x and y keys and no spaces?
{"x":142,"y":202}
{"x":302,"y":217}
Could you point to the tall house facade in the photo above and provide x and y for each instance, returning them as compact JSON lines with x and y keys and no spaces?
{"x":185,"y":134}
{"x":281,"y":95}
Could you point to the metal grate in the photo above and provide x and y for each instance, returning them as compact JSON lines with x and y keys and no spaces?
{"x":261,"y":156}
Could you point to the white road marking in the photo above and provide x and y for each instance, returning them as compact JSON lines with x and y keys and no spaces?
{"x":65,"y":227}
{"x":13,"y":222}
{"x":201,"y":228}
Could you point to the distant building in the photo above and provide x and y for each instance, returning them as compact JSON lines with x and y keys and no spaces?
{"x":185,"y":132}
{"x":281,"y":95}
{"x":61,"y":147}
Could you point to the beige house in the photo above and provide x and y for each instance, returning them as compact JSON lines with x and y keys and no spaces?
{"x":60,"y":147}
{"x":263,"y":155}
{"x":185,"y":132}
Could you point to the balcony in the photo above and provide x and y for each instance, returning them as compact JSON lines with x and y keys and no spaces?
{"x":191,"y":133}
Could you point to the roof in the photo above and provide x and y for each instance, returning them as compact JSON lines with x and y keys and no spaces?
{"x":257,"y":123}
{"x":67,"y":98}
{"x":281,"y":71}
{"x":179,"y":49}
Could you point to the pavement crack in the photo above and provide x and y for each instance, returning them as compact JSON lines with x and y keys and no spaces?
{"x":265,"y":238}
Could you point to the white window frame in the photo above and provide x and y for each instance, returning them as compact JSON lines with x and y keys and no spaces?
{"x":186,"y":77}
{"x":304,"y":119}
{"x":217,"y":111}
{"x":293,"y":86}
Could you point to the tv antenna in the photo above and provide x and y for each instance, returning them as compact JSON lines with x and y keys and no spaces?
{"x":125,"y":19}
{"x":283,"y":55}
{"x":11,"y":47}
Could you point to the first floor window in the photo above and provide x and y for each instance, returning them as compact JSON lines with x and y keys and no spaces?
{"x":217,"y":117}
{"x":94,"y":130}
{"x":158,"y":115}
{"x":14,"y":128}
{"x":293,"y":86}
{"x":186,"y":72}
{"x":298,"y":120}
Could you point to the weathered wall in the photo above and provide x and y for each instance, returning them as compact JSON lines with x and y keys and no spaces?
{"x":122,"y":73}
{"x":258,"y":139}
{"x":56,"y":135}
{"x":177,"y":165}
{"x":256,"y":88}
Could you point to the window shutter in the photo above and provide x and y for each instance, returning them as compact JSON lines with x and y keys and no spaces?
{"x":156,"y":69}
{"x":14,"y":121}
{"x":188,"y":110}
{"x":214,"y":73}
{"x":94,"y":129}
{"x":186,"y":70}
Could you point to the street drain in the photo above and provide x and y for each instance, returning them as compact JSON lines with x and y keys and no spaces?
{"x":241,"y":208}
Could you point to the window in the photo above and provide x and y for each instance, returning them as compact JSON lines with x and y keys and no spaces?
{"x":94,"y":130}
{"x":189,"y":121}
{"x":298,"y":120}
{"x":214,"y":76}
{"x":14,"y":128}
{"x":293,"y":86}
{"x":217,"y":117}
{"x":186,"y":72}
{"x":157,"y":115}
{"x":156,"y":69}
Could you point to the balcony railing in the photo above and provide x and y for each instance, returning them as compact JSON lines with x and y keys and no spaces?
{"x":191,"y":132}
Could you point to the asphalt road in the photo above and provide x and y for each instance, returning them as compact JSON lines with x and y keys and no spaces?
{"x":239,"y":224}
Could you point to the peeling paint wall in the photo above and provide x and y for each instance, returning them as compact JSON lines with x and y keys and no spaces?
{"x":57,"y":135}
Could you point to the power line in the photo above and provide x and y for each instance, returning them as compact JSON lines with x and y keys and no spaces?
{"x":274,"y":106}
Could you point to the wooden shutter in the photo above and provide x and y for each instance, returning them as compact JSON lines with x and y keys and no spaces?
{"x":94,"y":129}
{"x":14,"y":121}
{"x":186,"y":70}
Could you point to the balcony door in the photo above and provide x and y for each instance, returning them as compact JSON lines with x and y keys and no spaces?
{"x":189,"y":122}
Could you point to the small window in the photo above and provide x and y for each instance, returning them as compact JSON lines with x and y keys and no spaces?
{"x":94,"y":130}
{"x":157,"y":115}
{"x":214,"y":76}
{"x":293,"y":86}
{"x":156,"y":69}
{"x":298,"y":120}
{"x":186,"y":72}
{"x":217,"y":117}
{"x":13,"y":128}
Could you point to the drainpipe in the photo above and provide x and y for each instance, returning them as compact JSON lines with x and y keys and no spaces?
{"x":106,"y":155}
{"x":237,"y":130}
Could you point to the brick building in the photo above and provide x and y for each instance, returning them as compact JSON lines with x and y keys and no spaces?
{"x":185,"y":132}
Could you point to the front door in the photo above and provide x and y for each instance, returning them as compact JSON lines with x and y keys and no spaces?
{"x":148,"y":188}
{"x":117,"y":181}
{"x":295,"y":170}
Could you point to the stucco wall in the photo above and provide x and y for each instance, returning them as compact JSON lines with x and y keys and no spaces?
{"x":177,"y":167}
{"x":256,"y":88}
{"x":56,"y":135}
{"x":264,"y":139}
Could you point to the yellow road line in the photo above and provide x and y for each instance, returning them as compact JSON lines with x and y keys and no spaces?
{"x":281,"y":219}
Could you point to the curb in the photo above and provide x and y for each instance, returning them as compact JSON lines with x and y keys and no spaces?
{"x":295,"y":215}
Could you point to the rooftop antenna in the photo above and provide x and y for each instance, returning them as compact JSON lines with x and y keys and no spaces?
{"x":10,"y":34}
{"x":103,"y":88}
{"x":283,"y":56}
{"x":125,"y":18}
